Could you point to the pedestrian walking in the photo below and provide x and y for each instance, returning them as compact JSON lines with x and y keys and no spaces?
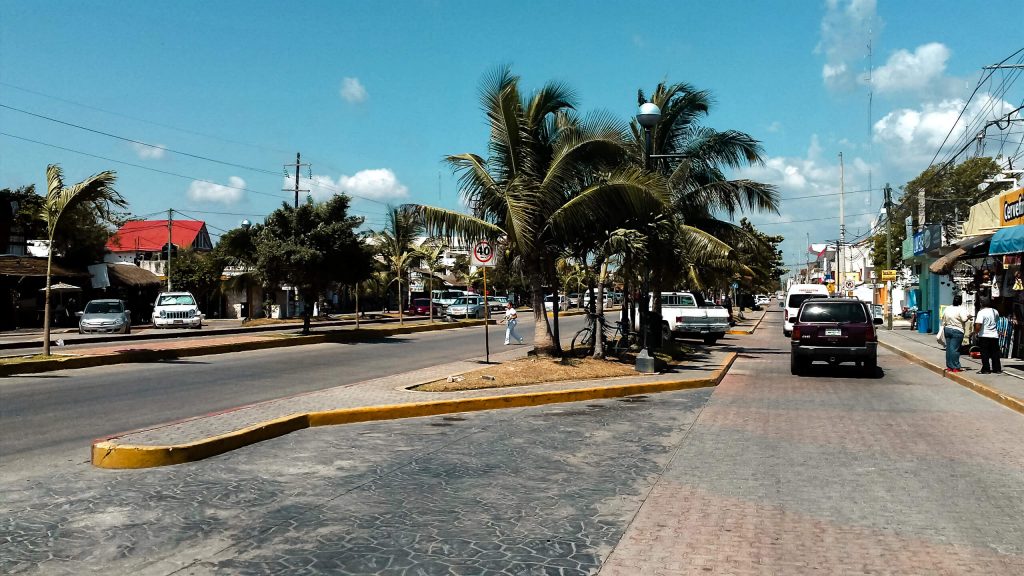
{"x":510,"y":320}
{"x":954,"y":326}
{"x":988,"y":337}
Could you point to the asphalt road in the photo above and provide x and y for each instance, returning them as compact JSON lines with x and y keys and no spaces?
{"x":50,"y":419}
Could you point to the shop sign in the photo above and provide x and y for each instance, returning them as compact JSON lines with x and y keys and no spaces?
{"x":1011,"y":208}
{"x":888,"y":275}
{"x":928,"y":239}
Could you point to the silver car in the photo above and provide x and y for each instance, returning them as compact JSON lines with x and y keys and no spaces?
{"x":467,"y":306}
{"x":105,"y":316}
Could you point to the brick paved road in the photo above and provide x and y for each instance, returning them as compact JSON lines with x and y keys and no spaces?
{"x":827,"y":474}
{"x":836,"y":474}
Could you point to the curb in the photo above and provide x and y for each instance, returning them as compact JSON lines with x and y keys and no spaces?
{"x":156,"y":355}
{"x":1011,"y":402}
{"x":109,"y":455}
{"x":751,"y":331}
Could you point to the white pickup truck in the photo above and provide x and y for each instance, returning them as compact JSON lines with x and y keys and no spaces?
{"x":685,"y":315}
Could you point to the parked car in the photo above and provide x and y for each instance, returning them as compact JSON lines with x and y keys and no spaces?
{"x":105,"y":316}
{"x":762,"y":300}
{"x":446,"y":298}
{"x":878,"y":311}
{"x":685,"y":315}
{"x":497,"y":303}
{"x":421,"y":307}
{"x":835,"y":330}
{"x":471,"y":306}
{"x":549,"y":302}
{"x":574,"y":299}
{"x":176,"y":309}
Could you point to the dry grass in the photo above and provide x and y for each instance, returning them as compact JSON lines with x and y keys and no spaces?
{"x":532,"y":370}
{"x":33,"y":358}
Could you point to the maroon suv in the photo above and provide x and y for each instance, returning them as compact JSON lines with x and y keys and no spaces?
{"x":834,"y":330}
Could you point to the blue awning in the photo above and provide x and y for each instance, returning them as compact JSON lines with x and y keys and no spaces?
{"x":1008,"y":240}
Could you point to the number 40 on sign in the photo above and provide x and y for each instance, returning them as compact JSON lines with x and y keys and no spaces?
{"x":483,"y":254}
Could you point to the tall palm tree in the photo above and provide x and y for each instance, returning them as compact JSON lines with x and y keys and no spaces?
{"x":97,"y":190}
{"x":431,"y":252}
{"x":395,"y":246}
{"x":537,"y":186}
{"x":701,"y":192}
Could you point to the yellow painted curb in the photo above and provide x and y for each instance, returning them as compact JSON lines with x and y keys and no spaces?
{"x":751,"y":331}
{"x":107,"y":454}
{"x":1011,"y":402}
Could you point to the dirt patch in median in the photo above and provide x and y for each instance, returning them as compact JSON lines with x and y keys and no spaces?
{"x":530,"y":371}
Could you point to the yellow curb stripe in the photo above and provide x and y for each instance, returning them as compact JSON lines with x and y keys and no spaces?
{"x":1011,"y":402}
{"x":106,"y":454}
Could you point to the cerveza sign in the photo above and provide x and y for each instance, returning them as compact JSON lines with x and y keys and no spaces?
{"x":928,"y":239}
{"x":1011,"y":208}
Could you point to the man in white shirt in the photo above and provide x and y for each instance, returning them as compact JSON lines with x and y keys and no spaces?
{"x":511,"y":319}
{"x":988,"y":337}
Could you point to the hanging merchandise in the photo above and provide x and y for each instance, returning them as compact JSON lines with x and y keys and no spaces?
{"x":1018,"y":285}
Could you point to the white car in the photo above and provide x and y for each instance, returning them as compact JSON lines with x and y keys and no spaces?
{"x":176,"y":310}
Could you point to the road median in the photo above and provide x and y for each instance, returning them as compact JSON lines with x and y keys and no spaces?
{"x":109,"y":453}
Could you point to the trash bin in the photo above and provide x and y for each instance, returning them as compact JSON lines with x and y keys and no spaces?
{"x":923,"y":319}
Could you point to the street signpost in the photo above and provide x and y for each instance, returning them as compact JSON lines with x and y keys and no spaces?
{"x":483,"y":257}
{"x":888,"y":275}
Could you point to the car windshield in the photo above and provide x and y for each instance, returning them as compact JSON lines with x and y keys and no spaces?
{"x":795,"y":300}
{"x":460,"y":302}
{"x":833,"y":312}
{"x":104,"y":308}
{"x":176,"y":299}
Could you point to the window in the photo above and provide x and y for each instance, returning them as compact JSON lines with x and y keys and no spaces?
{"x":684,"y":300}
{"x":795,"y":300}
{"x":176,"y":300}
{"x":833,"y":312}
{"x":104,"y":308}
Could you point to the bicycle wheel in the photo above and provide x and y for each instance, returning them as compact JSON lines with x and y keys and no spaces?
{"x":585,"y":337}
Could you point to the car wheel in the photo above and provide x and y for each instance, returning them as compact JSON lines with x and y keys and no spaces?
{"x":710,"y":340}
{"x":787,"y":333}
{"x":796,"y":366}
{"x":871,"y":364}
{"x":127,"y":329}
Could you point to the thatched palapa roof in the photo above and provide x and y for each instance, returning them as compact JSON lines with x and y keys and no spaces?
{"x":21,"y":266}
{"x":131,"y":275}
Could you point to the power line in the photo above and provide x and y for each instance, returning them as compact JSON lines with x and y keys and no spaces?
{"x":813,"y":219}
{"x":141,"y":166}
{"x":139,"y":142}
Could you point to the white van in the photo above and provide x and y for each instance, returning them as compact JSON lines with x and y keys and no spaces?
{"x":796,"y":296}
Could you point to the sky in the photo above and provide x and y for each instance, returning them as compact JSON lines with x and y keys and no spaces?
{"x":199,"y":106}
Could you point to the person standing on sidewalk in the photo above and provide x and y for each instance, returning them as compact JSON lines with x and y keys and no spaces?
{"x":510,"y":320}
{"x":988,"y":337}
{"x":954,"y":326}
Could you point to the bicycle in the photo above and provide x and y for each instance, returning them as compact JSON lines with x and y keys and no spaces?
{"x":616,"y":340}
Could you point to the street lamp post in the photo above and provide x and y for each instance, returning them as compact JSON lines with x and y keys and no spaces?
{"x":648,"y":117}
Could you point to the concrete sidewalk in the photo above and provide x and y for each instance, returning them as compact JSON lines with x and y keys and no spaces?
{"x":378,"y":399}
{"x":1006,"y":388}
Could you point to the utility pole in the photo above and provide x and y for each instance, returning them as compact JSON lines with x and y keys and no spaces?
{"x":298,"y":164}
{"x":807,"y":261}
{"x":842,"y":227}
{"x":888,"y":248}
{"x":170,"y":216}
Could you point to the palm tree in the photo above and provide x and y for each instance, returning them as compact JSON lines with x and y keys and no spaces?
{"x":539,"y":186}
{"x":395,"y":246}
{"x":700,"y":190}
{"x":430,"y":253}
{"x":97,"y":190}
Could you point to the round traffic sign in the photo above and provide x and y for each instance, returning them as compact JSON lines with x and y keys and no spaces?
{"x":483,"y":252}
{"x":849,"y":284}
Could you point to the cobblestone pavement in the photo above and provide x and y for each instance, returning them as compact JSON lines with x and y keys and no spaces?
{"x":545,"y":490}
{"x":835,"y":473}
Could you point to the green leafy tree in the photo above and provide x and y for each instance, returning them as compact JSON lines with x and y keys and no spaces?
{"x":311,"y":247}
{"x":949,"y":194}
{"x":96,"y":191}
{"x":198,"y":273}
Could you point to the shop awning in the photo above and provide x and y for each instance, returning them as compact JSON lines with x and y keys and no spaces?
{"x":1008,"y":240}
{"x":972,"y":246}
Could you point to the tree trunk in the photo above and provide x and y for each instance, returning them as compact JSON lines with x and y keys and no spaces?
{"x":46,"y":306}
{"x":401,"y":316}
{"x":543,"y":342}
{"x":599,"y":352}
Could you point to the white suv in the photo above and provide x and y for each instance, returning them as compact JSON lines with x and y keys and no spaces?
{"x":176,"y":309}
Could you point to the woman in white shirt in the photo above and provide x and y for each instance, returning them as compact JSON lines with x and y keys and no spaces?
{"x":988,"y":337}
{"x":954,"y":326}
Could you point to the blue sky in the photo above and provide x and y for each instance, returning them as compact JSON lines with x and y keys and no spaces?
{"x":374,"y":95}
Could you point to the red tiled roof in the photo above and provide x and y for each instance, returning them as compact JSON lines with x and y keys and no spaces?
{"x":151,"y":235}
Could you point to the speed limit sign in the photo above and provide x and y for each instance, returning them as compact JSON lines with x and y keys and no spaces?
{"x":849,"y":284}
{"x":483,"y":254}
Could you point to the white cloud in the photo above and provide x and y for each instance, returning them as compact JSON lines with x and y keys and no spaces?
{"x":149,"y":152}
{"x":353,"y":91}
{"x":913,"y":72}
{"x":775,"y":126}
{"x":375,"y":184}
{"x":846,"y":29}
{"x":200,"y":191}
